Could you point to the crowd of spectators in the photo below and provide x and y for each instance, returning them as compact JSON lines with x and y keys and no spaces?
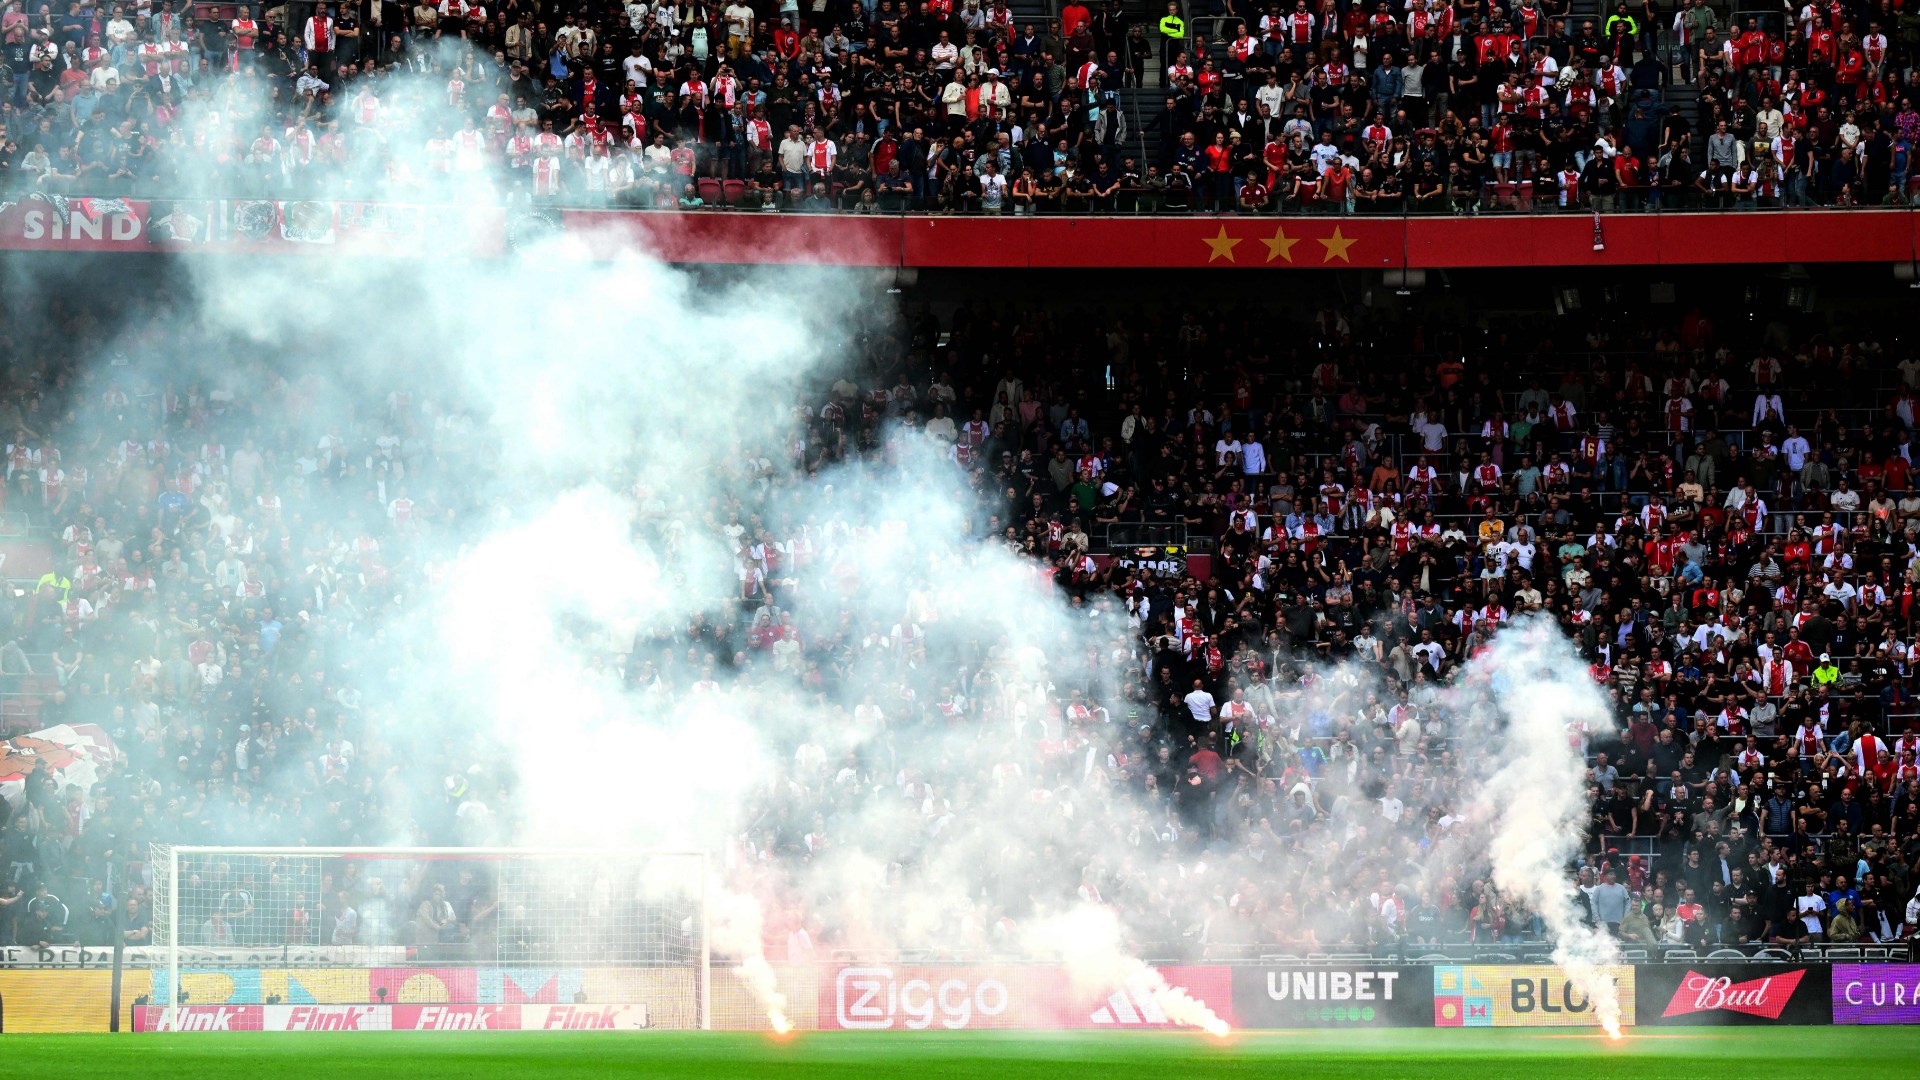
{"x":1724,"y":525}
{"x":1326,"y":107}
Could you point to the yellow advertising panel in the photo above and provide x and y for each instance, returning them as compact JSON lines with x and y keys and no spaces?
{"x":53,"y":1002}
{"x":1520,"y":995}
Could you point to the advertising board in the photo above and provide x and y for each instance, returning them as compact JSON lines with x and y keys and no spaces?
{"x":1347,"y":995}
{"x":1734,"y":994}
{"x":1520,"y":995}
{"x":1876,"y":993}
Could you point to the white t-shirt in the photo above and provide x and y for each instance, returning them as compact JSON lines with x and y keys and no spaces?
{"x":1810,"y":909}
{"x":1200,"y":704}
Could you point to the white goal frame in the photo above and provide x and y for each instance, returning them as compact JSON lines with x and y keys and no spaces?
{"x":173,"y":854}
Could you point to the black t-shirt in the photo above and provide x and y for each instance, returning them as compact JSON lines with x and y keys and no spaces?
{"x":17,"y":55}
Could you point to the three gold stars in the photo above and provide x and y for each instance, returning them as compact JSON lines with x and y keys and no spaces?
{"x":1280,"y":246}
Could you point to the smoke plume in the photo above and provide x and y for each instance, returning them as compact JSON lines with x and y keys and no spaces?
{"x":1535,"y":799}
{"x":676,"y":576}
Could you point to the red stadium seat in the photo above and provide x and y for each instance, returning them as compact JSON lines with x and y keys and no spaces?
{"x":734,"y":192}
{"x":709,"y":189}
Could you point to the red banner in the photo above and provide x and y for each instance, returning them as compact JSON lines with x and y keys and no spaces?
{"x":42,"y":222}
{"x":918,"y":998}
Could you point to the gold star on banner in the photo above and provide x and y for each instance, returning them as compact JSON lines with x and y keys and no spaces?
{"x":1221,"y":246}
{"x":1337,"y":246}
{"x":1279,"y":245}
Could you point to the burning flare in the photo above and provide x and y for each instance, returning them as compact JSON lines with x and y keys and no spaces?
{"x":1181,"y":1007}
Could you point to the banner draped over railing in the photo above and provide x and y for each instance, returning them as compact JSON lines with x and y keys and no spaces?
{"x":43,"y":222}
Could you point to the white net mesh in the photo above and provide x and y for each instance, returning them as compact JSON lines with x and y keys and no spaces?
{"x":397,"y":927}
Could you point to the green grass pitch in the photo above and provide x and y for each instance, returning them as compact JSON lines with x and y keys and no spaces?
{"x":1667,"y":1054}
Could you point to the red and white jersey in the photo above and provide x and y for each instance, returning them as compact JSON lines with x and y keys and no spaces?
{"x":1402,"y":536}
{"x":1810,"y":739}
{"x":300,"y":144}
{"x":1421,"y":479}
{"x":820,"y":156}
{"x":519,"y":150}
{"x":499,"y":123}
{"x":547,"y":144}
{"x":469,"y":149}
{"x":1487,"y":475}
{"x":1299,"y":27}
{"x":1335,"y":496}
{"x":546,"y":175}
{"x":1870,"y":755}
{"x":319,"y":34}
{"x":695,"y":90}
{"x":366,"y":108}
{"x":759,"y":134}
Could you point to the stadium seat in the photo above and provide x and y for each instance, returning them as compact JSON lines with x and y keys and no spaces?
{"x":710,"y":191}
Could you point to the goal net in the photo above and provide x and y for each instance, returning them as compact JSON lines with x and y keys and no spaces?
{"x":443,"y":939}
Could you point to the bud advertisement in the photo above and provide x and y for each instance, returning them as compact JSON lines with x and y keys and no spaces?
{"x":1734,"y":994}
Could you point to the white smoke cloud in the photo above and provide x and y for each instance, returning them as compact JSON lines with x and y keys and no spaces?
{"x":602,"y":428}
{"x":1535,"y":798}
{"x":1089,"y":941}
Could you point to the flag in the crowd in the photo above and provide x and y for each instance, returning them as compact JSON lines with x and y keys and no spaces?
{"x":72,"y":753}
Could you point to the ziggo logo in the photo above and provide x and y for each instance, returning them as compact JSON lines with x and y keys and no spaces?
{"x":872,"y":999}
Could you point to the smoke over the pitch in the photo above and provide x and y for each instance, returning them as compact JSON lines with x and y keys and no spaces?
{"x":1092,"y":945}
{"x":914,"y":740}
{"x":1535,"y":798}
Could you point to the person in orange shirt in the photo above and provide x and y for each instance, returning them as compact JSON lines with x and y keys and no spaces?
{"x":1073,"y":16}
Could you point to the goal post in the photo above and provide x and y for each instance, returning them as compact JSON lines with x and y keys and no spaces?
{"x":314,"y":938}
